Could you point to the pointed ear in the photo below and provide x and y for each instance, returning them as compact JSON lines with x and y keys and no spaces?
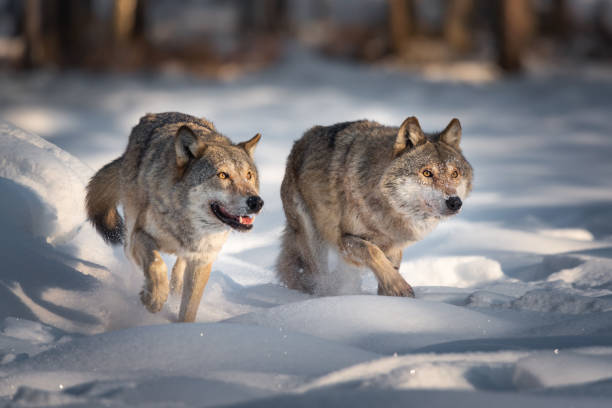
{"x":186,"y":145}
{"x":250,"y":144}
{"x":409,"y":131}
{"x":452,"y":134}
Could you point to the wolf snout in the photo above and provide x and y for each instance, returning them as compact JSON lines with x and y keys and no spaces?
{"x":454,"y":203}
{"x":255,"y":203}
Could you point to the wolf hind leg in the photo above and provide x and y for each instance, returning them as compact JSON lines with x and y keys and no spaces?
{"x":196,"y":278}
{"x":303,"y":253}
{"x":289,"y":263}
{"x":296,"y":266}
{"x":145,"y":253}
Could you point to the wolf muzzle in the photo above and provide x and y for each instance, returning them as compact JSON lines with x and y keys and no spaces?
{"x":454,"y":203}
{"x":255,"y":203}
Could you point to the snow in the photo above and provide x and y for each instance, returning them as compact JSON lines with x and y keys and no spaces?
{"x":225,"y":352}
{"x":513,"y":296}
{"x":386,"y":325}
{"x":49,"y":173}
{"x":456,"y":271}
{"x":558,"y":369}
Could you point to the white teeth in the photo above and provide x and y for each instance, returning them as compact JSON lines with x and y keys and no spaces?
{"x":246,"y":220}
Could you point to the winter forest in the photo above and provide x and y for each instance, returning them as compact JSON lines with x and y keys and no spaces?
{"x":512,"y":297}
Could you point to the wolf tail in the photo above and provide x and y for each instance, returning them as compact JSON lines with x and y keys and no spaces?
{"x":101,"y":202}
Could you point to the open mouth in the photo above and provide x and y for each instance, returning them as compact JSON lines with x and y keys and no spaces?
{"x":238,"y":222}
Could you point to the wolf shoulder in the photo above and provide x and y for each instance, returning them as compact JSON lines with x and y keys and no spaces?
{"x":163,"y":126}
{"x":335,"y":145}
{"x":342,"y":136}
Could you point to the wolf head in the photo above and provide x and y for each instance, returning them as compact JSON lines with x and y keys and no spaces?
{"x":428,"y":175}
{"x":220,"y":180}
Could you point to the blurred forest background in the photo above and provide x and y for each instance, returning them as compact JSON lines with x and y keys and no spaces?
{"x":224,"y":38}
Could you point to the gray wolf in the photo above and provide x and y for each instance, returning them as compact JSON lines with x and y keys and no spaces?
{"x":183,"y":187}
{"x":366,"y":191}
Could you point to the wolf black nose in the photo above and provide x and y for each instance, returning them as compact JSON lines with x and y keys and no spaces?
{"x":255,"y":203}
{"x":454,"y":203}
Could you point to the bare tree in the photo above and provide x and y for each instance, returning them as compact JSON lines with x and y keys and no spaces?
{"x":124,"y":19}
{"x":56,"y":32}
{"x":401,"y":19}
{"x":34,"y":48}
{"x":457,"y":24}
{"x":516,"y":28}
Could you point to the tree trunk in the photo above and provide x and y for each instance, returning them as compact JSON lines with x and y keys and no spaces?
{"x":57,"y":32}
{"x":34,"y":49}
{"x":400,"y":25}
{"x":72,"y":25}
{"x":457,"y":24}
{"x":516,"y":28}
{"x":124,"y":20}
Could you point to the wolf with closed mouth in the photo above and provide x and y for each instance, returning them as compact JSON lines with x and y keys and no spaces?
{"x":366,"y":191}
{"x":183,"y":187}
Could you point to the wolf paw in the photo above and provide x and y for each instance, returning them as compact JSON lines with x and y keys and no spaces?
{"x":154,"y":297}
{"x":400,"y":288}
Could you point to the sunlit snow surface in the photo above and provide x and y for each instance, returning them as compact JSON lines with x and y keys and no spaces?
{"x":514,"y":295}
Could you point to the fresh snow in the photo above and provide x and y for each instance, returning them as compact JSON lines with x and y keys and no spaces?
{"x":513,"y":296}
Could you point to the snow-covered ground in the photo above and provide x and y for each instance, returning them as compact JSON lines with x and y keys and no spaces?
{"x":514,"y":295}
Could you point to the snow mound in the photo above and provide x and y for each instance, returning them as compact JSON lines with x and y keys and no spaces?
{"x":458,"y":271}
{"x":380,"y":324}
{"x":222,"y":352}
{"x":542,"y":300}
{"x":461,"y":371}
{"x":550,"y":300}
{"x":577,"y":234}
{"x":595,"y":273}
{"x":27,"y":330}
{"x":55,"y":210}
{"x":562,"y":368}
{"x":56,"y":269}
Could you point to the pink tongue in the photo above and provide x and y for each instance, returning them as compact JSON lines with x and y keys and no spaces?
{"x":246,"y":220}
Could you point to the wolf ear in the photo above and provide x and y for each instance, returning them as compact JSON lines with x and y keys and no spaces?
{"x":250,"y":144}
{"x":409,"y":131}
{"x":452,"y":134}
{"x":186,"y":145}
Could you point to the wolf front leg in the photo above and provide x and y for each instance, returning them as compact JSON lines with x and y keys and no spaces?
{"x":395,"y":257}
{"x":364,"y":253}
{"x":196,"y":277}
{"x":145,"y":253}
{"x":178,"y":272}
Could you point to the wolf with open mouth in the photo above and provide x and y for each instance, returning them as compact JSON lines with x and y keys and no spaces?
{"x":183,"y":187}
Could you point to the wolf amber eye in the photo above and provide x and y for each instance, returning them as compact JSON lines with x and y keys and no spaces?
{"x":249,"y":175}
{"x":223,"y":175}
{"x":455,"y":174}
{"x":427,"y":173}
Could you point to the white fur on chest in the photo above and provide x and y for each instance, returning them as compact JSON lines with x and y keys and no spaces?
{"x":208,"y":247}
{"x":421,"y":227}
